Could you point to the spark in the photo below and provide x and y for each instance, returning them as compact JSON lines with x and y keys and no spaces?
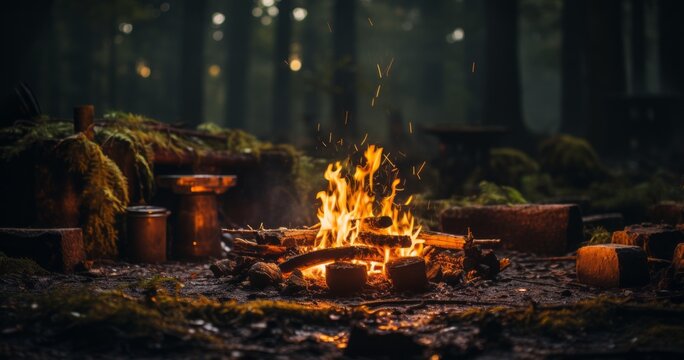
{"x":473,"y":67}
{"x":357,"y":149}
{"x":346,"y":117}
{"x":370,"y":21}
{"x":414,"y":169}
{"x":379,"y":71}
{"x":410,"y":128}
{"x":372,"y":102}
{"x":324,"y":145}
{"x":428,"y":205}
{"x":401,"y":153}
{"x":329,"y":27}
{"x":389,"y":67}
{"x":330,"y":137}
{"x":318,"y":127}
{"x":388,"y":160}
{"x":408,"y":201}
{"x":286,"y":63}
{"x":364,"y":139}
{"x":422,"y":166}
{"x":377,"y":91}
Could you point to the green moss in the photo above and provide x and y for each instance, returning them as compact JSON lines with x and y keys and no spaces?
{"x":24,"y":135}
{"x":9,"y":265}
{"x":493,"y":194}
{"x":507,"y":166}
{"x":104,"y":196}
{"x":599,"y":235}
{"x":571,"y":160}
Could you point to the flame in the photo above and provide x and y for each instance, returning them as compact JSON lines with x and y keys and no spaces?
{"x":349,"y":199}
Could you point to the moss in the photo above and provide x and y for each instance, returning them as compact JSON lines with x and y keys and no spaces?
{"x":23,"y":135}
{"x":9,"y":265}
{"x":507,"y":166}
{"x":104,"y":196}
{"x":570,"y":160}
{"x":616,"y":316}
{"x":237,"y":140}
{"x":599,"y":235}
{"x":493,"y":194}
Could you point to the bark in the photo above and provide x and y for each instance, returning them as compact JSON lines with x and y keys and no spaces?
{"x":323,"y":256}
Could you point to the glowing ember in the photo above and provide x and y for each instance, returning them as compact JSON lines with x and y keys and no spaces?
{"x":350,"y":198}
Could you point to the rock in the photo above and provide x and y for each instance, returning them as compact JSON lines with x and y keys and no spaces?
{"x":295,"y":283}
{"x":223,"y":267}
{"x":610,"y":221}
{"x":367,"y":343}
{"x":612,"y":266}
{"x":671,"y":213}
{"x":263,"y":274}
{"x":407,"y":273}
{"x":659,"y":241}
{"x":59,"y":250}
{"x":678,"y":258}
{"x":541,"y":229}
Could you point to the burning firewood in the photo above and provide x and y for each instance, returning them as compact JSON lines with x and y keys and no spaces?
{"x":248,"y":248}
{"x":318,"y":257}
{"x":307,"y":237}
{"x":407,"y":273}
{"x":345,"y":278}
{"x":377,"y":222}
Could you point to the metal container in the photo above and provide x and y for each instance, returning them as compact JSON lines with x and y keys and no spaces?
{"x":146,"y":233}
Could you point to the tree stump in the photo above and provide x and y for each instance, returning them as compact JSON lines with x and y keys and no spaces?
{"x":345,"y":278}
{"x":407,"y":273}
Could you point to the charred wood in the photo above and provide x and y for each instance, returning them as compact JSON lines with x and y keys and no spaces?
{"x":318,"y":257}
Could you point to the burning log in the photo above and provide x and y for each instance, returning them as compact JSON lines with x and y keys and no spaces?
{"x":307,"y":237}
{"x":345,"y":278}
{"x":407,"y":273}
{"x":248,"y":248}
{"x":377,"y":222}
{"x":454,"y":242}
{"x":318,"y":257}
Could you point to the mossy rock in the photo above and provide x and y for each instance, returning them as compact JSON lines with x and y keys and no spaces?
{"x":9,"y":265}
{"x":507,"y":166}
{"x":570,"y":160}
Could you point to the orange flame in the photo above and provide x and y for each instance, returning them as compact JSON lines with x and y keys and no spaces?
{"x":349,"y":199}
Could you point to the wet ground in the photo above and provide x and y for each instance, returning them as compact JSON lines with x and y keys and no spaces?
{"x":528,"y":311}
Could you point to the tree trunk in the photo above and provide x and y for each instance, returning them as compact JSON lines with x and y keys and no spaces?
{"x":573,"y":81}
{"x":474,"y":56}
{"x":281,"y":123}
{"x":638,"y":38}
{"x":671,"y":29}
{"x":309,"y":68}
{"x":434,"y":49}
{"x":502,"y":75}
{"x":192,"y":61}
{"x":344,"y":63}
{"x":239,"y":34}
{"x":606,"y":78}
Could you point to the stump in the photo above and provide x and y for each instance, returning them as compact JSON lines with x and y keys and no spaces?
{"x":345,"y":278}
{"x":612,"y":266}
{"x":58,"y":250}
{"x":407,"y":273}
{"x":659,"y":241}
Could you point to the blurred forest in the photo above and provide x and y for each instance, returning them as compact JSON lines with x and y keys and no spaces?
{"x":290,"y":70}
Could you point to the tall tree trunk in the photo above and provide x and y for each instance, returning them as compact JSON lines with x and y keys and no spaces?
{"x":502,"y":104}
{"x":573,"y":78}
{"x":281,"y":123}
{"x":309,"y":68}
{"x":671,"y":29}
{"x":434,"y":49}
{"x":474,"y":56}
{"x":192,"y":61}
{"x":239,"y":34}
{"x":638,"y":38}
{"x":606,"y":77}
{"x":345,"y":65}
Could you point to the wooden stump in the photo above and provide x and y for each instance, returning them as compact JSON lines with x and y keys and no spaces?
{"x":659,"y":241}
{"x":345,"y":278}
{"x":58,"y":250}
{"x":407,"y":273}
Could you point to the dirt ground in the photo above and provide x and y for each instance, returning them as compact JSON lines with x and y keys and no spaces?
{"x":534,"y":309}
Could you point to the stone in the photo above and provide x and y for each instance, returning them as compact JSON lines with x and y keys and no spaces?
{"x":59,"y":250}
{"x":659,"y":241}
{"x":295,"y":283}
{"x":263,"y":274}
{"x":612,"y":266}
{"x":552,"y":229}
{"x":609,"y":221}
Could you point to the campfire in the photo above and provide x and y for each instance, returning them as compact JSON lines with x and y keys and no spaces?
{"x":362,"y":232}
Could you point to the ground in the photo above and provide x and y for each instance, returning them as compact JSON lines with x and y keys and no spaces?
{"x":534,"y":308}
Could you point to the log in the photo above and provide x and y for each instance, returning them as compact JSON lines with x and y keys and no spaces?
{"x":83,"y":121}
{"x":407,"y":273}
{"x":377,"y":222}
{"x":60,"y":250}
{"x":249,"y":248}
{"x":454,"y":242}
{"x":318,"y":257}
{"x":658,"y":240}
{"x":307,"y":237}
{"x":345,"y":278}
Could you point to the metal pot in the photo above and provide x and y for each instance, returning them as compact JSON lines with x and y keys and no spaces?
{"x":146,"y":233}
